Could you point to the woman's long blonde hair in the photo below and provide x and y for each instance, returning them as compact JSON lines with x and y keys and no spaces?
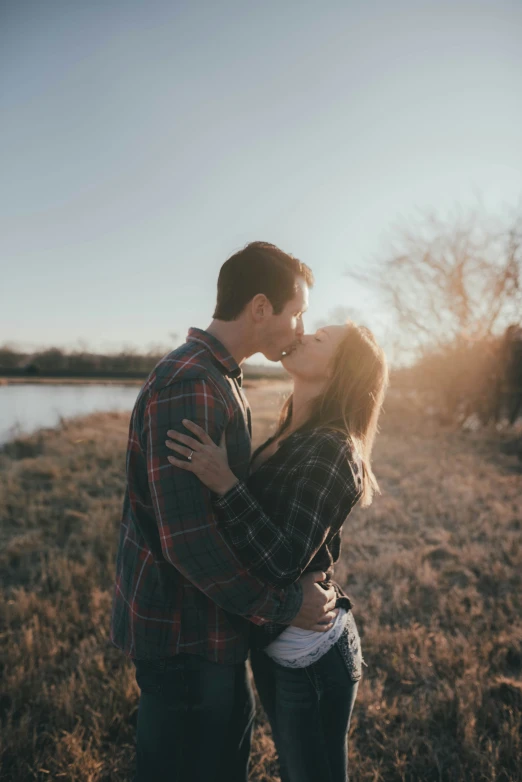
{"x":352,"y":400}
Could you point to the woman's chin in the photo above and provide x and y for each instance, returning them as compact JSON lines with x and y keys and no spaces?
{"x":288,"y":363}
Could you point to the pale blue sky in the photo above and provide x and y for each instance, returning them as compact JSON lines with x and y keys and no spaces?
{"x":144,"y":142}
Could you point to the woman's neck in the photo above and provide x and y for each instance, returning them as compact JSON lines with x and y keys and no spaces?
{"x":302,"y":397}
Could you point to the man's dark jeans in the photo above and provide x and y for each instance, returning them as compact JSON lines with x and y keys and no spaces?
{"x":309,"y":710}
{"x":195,"y":720}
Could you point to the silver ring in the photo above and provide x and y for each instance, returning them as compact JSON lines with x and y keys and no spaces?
{"x":189,"y":457}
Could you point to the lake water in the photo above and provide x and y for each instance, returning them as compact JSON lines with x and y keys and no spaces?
{"x":25,"y":408}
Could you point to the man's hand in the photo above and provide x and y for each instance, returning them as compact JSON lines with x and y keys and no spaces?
{"x":318,"y":610}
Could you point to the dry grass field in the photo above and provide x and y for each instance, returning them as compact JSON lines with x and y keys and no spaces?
{"x":434,"y":568}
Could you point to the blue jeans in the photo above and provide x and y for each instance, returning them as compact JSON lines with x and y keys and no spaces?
{"x":195,"y":720}
{"x":309,"y":710}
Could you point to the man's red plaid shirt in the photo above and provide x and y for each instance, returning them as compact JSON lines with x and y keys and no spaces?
{"x":179,"y":585}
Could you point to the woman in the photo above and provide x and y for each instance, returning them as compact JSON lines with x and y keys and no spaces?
{"x":287,"y":519}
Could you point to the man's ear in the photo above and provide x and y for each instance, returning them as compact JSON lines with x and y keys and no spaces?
{"x":260,"y":308}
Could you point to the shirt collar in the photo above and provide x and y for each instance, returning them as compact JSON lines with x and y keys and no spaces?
{"x":219,"y":352}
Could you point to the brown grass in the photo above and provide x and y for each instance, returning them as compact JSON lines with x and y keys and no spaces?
{"x":434,"y":568}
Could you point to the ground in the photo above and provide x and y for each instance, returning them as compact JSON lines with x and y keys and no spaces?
{"x":434,"y":568}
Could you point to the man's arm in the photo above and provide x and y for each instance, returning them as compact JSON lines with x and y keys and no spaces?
{"x":189,"y":536}
{"x":319,"y":494}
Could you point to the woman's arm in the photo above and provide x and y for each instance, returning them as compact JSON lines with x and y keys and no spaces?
{"x":317,"y":496}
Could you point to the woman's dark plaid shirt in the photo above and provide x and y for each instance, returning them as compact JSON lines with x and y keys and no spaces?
{"x":180,"y":586}
{"x":286,"y":519}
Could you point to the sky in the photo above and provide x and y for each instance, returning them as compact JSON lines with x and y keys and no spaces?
{"x":142,"y":143}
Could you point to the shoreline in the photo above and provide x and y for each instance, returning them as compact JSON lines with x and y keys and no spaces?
{"x":112,"y":381}
{"x":274,"y":389}
{"x":69,"y":381}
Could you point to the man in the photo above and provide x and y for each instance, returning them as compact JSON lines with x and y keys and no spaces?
{"x":183,"y":602}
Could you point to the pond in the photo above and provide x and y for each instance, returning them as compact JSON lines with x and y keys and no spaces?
{"x":27,"y":407}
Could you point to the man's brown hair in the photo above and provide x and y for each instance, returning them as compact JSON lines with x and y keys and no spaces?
{"x":260,"y":267}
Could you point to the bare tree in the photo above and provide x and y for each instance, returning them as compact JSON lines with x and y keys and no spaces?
{"x":452,"y":281}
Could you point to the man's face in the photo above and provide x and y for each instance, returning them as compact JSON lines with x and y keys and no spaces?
{"x":282,"y":332}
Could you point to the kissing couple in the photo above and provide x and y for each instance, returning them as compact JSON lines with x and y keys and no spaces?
{"x":225,"y":555}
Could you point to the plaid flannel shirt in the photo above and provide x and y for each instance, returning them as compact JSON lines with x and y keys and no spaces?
{"x":286,"y":518}
{"x":180,"y":586}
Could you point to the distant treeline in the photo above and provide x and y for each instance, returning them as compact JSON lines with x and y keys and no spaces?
{"x":464,"y":377}
{"x":54,"y":362}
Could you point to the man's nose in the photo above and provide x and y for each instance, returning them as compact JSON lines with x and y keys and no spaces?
{"x":300,"y":328}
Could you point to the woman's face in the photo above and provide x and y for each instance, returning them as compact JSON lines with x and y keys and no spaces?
{"x":311,"y":359}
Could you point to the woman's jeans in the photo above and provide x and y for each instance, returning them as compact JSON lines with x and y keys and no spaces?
{"x":195,"y":720}
{"x":309,"y":709}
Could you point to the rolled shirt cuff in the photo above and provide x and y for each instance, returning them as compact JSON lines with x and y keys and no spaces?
{"x":234,"y":504}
